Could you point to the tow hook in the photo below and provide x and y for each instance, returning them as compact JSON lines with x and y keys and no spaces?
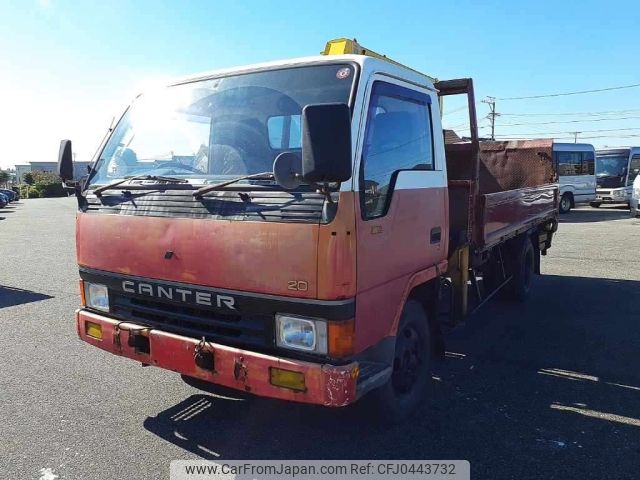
{"x":203,"y":356}
{"x":116,"y":338}
{"x":240,"y":370}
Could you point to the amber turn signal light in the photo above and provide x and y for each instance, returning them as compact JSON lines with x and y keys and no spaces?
{"x":341,"y":338}
{"x":83,"y":300}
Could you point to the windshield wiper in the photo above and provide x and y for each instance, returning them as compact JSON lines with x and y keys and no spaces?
{"x":255,"y":176}
{"x":158,"y":178}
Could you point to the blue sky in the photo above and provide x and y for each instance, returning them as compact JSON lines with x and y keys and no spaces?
{"x":69,"y":67}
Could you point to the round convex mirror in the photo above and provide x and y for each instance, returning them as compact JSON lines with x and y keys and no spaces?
{"x":287,"y":170}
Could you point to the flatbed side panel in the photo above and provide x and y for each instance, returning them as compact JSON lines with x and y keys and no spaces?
{"x":505,"y":213}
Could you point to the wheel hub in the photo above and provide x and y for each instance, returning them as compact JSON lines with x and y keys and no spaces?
{"x":407,"y":361}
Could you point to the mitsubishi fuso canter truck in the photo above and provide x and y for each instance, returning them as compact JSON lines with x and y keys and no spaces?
{"x":300,"y":230}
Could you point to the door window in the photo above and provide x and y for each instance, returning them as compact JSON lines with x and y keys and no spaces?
{"x":569,"y":163}
{"x":398,"y":137}
{"x":588,"y":163}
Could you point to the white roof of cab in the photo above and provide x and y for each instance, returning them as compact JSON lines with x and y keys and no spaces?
{"x":368,"y":65}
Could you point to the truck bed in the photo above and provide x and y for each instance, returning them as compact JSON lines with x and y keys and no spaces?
{"x":505,"y":214}
{"x":503,"y":189}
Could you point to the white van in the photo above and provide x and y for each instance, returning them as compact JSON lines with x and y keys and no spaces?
{"x":575,"y":164}
{"x":635,"y":198}
{"x":616,"y":169}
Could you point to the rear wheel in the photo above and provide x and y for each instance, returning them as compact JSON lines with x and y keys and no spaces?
{"x":411,"y":375}
{"x":595,"y":204}
{"x":565,"y":203}
{"x":522,"y":271}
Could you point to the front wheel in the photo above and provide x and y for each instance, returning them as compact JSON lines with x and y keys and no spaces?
{"x":565,"y":203}
{"x":411,"y":376}
{"x":595,"y":204}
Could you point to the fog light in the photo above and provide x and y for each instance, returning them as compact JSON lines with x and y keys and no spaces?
{"x":287,"y":379}
{"x":93,"y":330}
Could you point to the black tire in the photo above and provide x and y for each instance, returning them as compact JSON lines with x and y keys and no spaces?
{"x":410,"y":380}
{"x":522,"y":268}
{"x":566,"y":203}
{"x":595,"y":204}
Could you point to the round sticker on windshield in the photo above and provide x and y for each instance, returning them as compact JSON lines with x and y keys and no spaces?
{"x":343,"y":73}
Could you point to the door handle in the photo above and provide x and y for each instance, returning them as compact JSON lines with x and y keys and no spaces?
{"x":436,"y":235}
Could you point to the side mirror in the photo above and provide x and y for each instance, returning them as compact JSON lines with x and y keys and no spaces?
{"x":65,"y":161}
{"x":326,"y":143}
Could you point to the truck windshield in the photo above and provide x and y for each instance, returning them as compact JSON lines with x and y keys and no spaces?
{"x":211,"y":130}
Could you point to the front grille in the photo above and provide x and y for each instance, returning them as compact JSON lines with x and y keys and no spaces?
{"x":259,"y":205}
{"x":233,"y":330}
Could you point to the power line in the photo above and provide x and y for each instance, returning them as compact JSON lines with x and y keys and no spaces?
{"x":582,"y":137}
{"x":564,"y":132}
{"x":588,"y":114}
{"x":455,"y":110}
{"x":563,"y":94}
{"x":566,"y":121}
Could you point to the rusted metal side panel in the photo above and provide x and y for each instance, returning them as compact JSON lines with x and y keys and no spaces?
{"x":515,"y":164}
{"x":517,"y":189}
{"x":505,"y":213}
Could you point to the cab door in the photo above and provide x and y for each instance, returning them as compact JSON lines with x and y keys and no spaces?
{"x":403,"y":204}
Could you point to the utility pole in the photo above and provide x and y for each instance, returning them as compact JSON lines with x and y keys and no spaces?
{"x":575,"y":137}
{"x":491,"y":101}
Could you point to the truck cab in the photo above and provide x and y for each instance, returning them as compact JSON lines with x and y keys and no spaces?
{"x":285,"y":228}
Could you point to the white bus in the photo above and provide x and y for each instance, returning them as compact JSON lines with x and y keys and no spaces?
{"x":575,"y":164}
{"x":616,"y":169}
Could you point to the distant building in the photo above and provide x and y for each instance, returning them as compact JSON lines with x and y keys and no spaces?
{"x":79,"y":169}
{"x":20,"y":171}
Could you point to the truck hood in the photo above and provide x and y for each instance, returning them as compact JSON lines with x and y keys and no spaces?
{"x":249,"y":256}
{"x":262,"y":242}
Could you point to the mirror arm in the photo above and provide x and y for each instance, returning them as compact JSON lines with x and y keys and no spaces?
{"x":77,"y":191}
{"x":323,"y":189}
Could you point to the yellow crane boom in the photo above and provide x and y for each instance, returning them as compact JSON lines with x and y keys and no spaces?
{"x":343,"y":46}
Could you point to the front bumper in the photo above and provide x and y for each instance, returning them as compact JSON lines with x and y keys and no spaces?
{"x":608,"y":197}
{"x":328,"y":385}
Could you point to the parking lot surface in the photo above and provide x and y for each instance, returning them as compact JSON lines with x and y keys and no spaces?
{"x":549,"y":389}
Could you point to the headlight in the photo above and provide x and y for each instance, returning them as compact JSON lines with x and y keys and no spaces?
{"x":618,"y":193}
{"x":97,"y":296}
{"x":297,"y":333}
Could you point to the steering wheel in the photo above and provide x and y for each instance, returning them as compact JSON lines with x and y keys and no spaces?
{"x":246,"y":148}
{"x":175,"y":163}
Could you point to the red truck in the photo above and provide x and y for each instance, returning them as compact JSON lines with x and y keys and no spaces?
{"x":301,"y":229}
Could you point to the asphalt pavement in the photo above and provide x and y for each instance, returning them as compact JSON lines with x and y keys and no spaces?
{"x":547,"y":390}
